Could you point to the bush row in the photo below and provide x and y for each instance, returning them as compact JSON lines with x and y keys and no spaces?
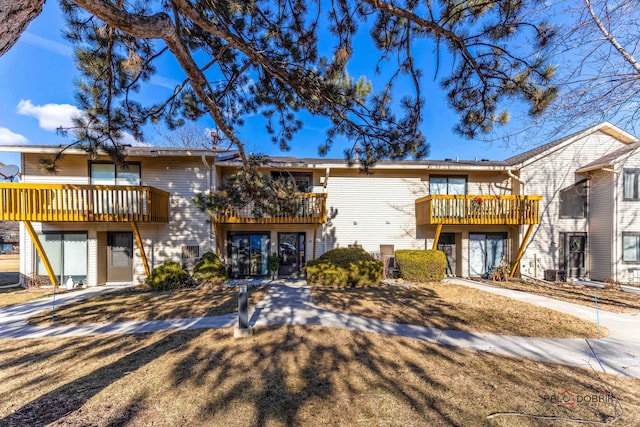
{"x":344,"y":268}
{"x":421,"y":265}
{"x":349,"y":268}
{"x":170,"y":275}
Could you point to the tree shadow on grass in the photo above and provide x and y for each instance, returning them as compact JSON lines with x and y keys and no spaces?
{"x":71,"y":396}
{"x":285,"y":375}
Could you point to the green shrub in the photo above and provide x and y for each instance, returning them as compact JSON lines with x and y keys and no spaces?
{"x":344,"y":267}
{"x":167,"y":276}
{"x":421,"y":265}
{"x":209,"y":269}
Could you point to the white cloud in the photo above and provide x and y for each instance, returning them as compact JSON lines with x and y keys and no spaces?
{"x":50,"y":45}
{"x":50,"y":116}
{"x":8,"y":138}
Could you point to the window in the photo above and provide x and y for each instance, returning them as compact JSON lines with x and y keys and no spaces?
{"x":631,"y":184}
{"x":303,"y":180}
{"x":573,"y":201}
{"x":447,"y":184}
{"x":631,"y":247}
{"x":190,"y":251}
{"x":109,"y":174}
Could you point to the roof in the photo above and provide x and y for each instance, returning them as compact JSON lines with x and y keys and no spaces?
{"x":142,"y":150}
{"x":609,"y":159}
{"x":605,"y":127}
{"x":294,"y":162}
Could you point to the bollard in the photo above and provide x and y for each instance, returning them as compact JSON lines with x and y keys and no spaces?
{"x":243,"y":329}
{"x":243,"y":307}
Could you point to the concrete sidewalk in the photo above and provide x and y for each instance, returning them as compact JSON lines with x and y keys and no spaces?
{"x":290,"y":302}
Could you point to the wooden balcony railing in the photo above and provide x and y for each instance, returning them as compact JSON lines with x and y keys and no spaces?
{"x":306,"y":208}
{"x":468,"y":209}
{"x":82,"y":203}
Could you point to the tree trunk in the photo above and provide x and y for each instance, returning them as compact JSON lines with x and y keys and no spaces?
{"x":15,"y":16}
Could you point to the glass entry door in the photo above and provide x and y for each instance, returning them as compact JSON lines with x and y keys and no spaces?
{"x":119,"y":257}
{"x":573,"y":254}
{"x":447,"y":244}
{"x":249,"y":253}
{"x":485,"y":252}
{"x":291,"y":251}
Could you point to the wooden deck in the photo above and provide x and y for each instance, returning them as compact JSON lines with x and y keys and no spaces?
{"x":306,"y":208}
{"x":83,"y":203}
{"x":449,"y":209}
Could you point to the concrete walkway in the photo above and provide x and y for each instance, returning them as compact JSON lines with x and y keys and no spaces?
{"x":289,"y":302}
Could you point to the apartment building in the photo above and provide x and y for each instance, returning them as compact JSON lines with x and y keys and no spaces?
{"x":568,"y":208}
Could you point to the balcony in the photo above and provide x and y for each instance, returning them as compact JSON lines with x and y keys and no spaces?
{"x":306,"y":208}
{"x":82,"y":203}
{"x":449,"y":209}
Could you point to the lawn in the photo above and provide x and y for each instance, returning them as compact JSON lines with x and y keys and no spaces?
{"x":18,"y":295}
{"x":448,"y":306}
{"x":134,"y":304}
{"x":608,"y":299}
{"x":291,"y":375}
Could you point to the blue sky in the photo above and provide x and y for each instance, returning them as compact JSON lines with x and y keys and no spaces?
{"x":37,"y":96}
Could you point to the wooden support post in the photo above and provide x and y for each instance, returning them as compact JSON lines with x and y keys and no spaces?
{"x":43,"y":256}
{"x":437,"y":237}
{"x":315,"y":231}
{"x":136,"y":233}
{"x":217,"y":236}
{"x":516,"y":262}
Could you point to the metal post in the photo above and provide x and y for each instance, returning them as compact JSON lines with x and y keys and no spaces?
{"x":243,"y":307}
{"x":243,"y":329}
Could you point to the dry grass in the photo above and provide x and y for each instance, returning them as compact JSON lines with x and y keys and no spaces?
{"x":136,"y":304}
{"x":11,"y":296}
{"x":448,"y":306}
{"x":287,"y":376}
{"x":608,"y":299}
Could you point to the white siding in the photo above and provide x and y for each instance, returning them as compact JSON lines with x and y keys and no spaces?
{"x":548,"y":175}
{"x":373,"y":210}
{"x":601,"y":219}
{"x":628,"y":220}
{"x":182,"y":177}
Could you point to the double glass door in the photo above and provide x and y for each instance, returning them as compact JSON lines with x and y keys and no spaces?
{"x":485,"y":252}
{"x":249,"y":253}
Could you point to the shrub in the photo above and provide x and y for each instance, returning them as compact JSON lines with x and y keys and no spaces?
{"x":167,"y":276}
{"x":210,"y":269}
{"x":421,"y":265}
{"x":344,"y":267}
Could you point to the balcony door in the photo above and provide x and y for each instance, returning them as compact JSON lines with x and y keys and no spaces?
{"x":485,"y":252}
{"x":119,"y":257}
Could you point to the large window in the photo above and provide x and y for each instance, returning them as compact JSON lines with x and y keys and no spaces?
{"x":573,"y":201}
{"x":67,"y":253}
{"x":110,"y":174}
{"x":303,"y":180}
{"x":631,"y":247}
{"x":631,"y":184}
{"x":447,"y":184}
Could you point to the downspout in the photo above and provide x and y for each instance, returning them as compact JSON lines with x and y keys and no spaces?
{"x":614,"y":251}
{"x":517,"y":178}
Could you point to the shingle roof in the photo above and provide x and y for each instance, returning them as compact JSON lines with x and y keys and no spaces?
{"x":610,"y":158}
